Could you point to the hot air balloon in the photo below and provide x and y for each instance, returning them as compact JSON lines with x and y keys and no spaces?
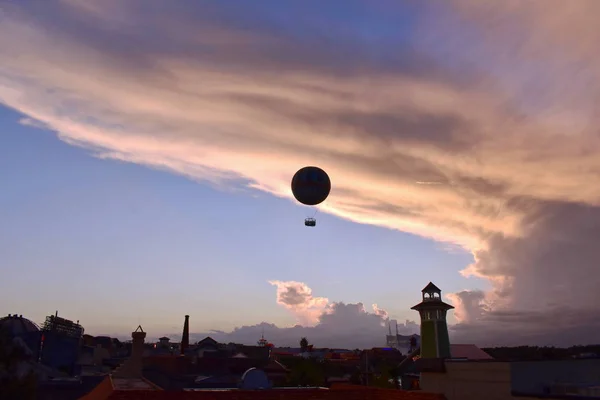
{"x":311,"y":186}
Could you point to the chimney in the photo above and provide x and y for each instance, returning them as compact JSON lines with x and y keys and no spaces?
{"x":185,"y":338}
{"x":132,"y":367}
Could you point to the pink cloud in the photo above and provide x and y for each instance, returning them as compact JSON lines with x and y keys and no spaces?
{"x":298,"y":298}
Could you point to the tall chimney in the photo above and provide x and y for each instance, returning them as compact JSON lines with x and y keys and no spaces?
{"x":185,"y":338}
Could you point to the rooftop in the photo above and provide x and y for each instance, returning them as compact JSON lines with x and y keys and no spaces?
{"x":469,"y":352}
{"x":116,"y":389}
{"x":132,"y":384}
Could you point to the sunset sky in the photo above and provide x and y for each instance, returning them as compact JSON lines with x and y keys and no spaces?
{"x":147,"y":148}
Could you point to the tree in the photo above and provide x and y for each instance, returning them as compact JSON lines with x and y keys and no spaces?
{"x":304,"y":344}
{"x":413,"y":344}
{"x":306,"y":373}
{"x":382,"y":380}
{"x":394,"y":373}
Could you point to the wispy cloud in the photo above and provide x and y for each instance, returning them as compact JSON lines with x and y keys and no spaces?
{"x":32,"y":123}
{"x":505,"y":117}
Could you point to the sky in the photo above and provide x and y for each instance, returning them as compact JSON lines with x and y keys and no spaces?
{"x":147,"y":148}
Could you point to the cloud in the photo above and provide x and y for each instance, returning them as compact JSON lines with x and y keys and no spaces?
{"x":497,"y":105}
{"x":309,"y":310}
{"x":340,"y":326}
{"x":380,"y":312}
{"x":327,"y":323}
{"x":545,"y":281}
{"x":32,"y":123}
{"x":297,"y":297}
{"x":469,"y":305}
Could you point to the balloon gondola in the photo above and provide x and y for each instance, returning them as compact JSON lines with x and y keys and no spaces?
{"x":311,"y":186}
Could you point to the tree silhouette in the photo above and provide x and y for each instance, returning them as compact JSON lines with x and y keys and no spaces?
{"x":413,"y":344}
{"x":307,"y":373}
{"x":304,"y":344}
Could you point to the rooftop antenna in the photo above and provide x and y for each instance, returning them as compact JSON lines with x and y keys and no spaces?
{"x":262,"y":342}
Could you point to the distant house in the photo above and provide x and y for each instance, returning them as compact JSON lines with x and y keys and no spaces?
{"x":206,"y":345}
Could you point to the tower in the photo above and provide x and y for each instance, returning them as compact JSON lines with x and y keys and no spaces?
{"x":435,"y":342}
{"x":185,"y":337}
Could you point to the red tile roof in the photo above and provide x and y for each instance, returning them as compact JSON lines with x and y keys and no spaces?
{"x":364,"y":393}
{"x":106,"y":391}
{"x":102,"y":391}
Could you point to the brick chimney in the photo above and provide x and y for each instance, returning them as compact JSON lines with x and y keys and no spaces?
{"x":185,"y":338}
{"x":132,"y":367}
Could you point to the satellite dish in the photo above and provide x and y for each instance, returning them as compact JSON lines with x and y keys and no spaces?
{"x":255,"y":379}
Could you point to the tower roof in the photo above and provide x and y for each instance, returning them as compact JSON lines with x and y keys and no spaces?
{"x":431,"y":288}
{"x":432,"y":305}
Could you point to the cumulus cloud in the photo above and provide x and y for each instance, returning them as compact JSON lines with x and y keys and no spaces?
{"x":498,"y":108}
{"x":380,"y":312}
{"x":310,"y":310}
{"x":325,"y":323}
{"x":469,"y":305}
{"x":341,"y":326}
{"x":297,"y":297}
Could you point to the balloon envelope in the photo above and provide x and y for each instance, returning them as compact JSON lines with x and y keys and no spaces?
{"x":311,"y":185}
